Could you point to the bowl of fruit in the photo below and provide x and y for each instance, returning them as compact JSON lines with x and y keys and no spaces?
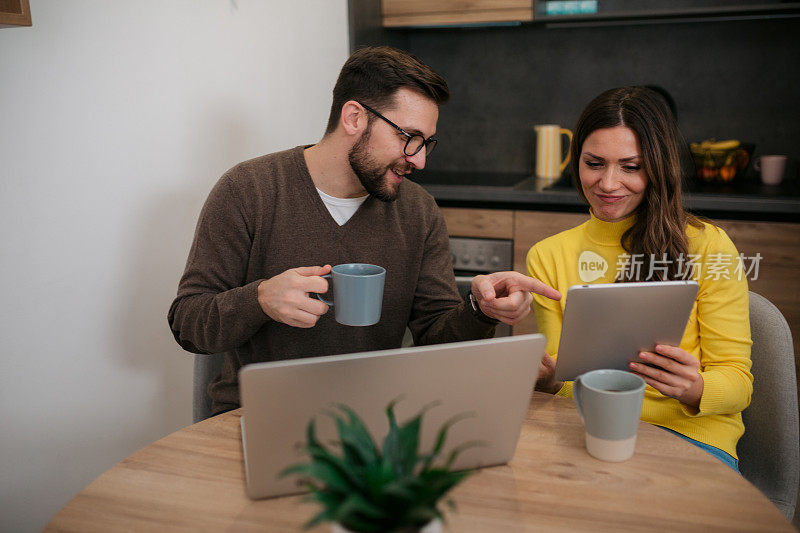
{"x":720,"y":160}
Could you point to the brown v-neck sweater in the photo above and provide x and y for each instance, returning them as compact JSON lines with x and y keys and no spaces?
{"x":265,"y":216}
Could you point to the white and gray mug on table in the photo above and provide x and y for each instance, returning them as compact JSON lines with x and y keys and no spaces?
{"x":771,"y":168}
{"x":357,"y":293}
{"x":610,"y":404}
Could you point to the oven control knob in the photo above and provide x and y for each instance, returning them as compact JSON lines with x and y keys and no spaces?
{"x":465,"y":259}
{"x":480,"y":260}
{"x":495,"y":261}
{"x":453,"y":258}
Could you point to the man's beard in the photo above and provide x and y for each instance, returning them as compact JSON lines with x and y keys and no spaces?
{"x":371,"y":174}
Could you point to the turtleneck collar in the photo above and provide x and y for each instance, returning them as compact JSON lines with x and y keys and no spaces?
{"x":608,"y":233}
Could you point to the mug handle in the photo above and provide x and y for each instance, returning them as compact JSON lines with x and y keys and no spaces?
{"x":319,"y":296}
{"x":568,"y":133}
{"x":757,"y":164}
{"x":576,"y":395}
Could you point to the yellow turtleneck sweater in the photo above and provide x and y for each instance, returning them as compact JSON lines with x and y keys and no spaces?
{"x":718,"y":332}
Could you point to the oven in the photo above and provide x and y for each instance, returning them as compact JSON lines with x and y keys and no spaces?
{"x":472,"y":256}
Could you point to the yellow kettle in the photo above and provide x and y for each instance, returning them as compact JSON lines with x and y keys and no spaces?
{"x":549,"y":152}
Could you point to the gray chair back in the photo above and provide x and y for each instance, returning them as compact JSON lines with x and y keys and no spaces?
{"x":206,"y":368}
{"x":769,"y":451}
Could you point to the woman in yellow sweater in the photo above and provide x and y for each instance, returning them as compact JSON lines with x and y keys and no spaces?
{"x":627,"y":164}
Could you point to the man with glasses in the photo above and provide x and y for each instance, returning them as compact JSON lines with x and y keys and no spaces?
{"x":272,"y":226}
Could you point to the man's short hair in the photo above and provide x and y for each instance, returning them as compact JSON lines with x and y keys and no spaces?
{"x":372,"y":76}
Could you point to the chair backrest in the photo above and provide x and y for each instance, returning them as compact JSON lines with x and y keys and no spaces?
{"x":769,"y":451}
{"x":206,"y":368}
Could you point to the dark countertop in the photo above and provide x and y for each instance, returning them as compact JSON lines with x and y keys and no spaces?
{"x":746,"y":199}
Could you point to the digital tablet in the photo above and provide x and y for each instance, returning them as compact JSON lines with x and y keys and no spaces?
{"x":607,"y":325}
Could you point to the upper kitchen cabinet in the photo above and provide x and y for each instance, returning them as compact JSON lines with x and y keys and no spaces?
{"x":14,"y":13}
{"x":605,"y":12}
{"x":409,"y":13}
{"x":432,"y":13}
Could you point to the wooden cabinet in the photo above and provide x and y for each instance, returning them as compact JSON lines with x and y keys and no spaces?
{"x":14,"y":13}
{"x":410,"y":13}
{"x":485,"y":223}
{"x":633,"y":11}
{"x":404,"y":13}
{"x":778,"y":244}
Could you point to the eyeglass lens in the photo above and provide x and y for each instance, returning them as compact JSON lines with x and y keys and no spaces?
{"x":415,"y":144}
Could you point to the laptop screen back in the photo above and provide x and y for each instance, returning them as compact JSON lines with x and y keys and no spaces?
{"x":491,"y":379}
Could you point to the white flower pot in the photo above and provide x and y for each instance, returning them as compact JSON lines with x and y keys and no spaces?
{"x":434,"y":526}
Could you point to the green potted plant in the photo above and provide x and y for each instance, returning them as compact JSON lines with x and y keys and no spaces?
{"x":363,"y":488}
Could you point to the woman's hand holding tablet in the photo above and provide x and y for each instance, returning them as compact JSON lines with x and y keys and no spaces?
{"x":673,"y":372}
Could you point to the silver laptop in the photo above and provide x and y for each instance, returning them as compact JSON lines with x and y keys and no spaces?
{"x":492,"y":379}
{"x":606,"y":325}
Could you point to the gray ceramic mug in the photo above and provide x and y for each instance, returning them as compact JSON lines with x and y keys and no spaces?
{"x":357,"y":293}
{"x":610,"y":404}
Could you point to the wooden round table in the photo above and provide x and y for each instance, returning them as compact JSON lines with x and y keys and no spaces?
{"x":193,"y":479}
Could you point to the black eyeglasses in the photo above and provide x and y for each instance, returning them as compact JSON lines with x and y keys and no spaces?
{"x":414,"y":142}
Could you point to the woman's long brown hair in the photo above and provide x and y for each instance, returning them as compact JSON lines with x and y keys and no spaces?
{"x":660,"y":228}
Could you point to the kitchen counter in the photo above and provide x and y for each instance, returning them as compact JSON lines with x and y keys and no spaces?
{"x":747,"y":199}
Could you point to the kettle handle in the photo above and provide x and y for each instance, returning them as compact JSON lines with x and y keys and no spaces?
{"x":568,"y":133}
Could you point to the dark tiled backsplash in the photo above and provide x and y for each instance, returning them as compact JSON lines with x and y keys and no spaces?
{"x":469,"y":179}
{"x":504,"y":81}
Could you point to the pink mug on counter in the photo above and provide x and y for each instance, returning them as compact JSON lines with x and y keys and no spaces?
{"x":771,"y":168}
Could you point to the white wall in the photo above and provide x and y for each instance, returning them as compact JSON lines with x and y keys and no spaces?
{"x":116,"y":118}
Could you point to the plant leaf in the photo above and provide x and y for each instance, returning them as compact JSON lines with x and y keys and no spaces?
{"x":348,"y":513}
{"x":327,"y":474}
{"x":409,"y":440}
{"x":455,"y":452}
{"x":322,"y":516}
{"x":364,"y":507}
{"x":408,"y":443}
{"x":354,"y":523}
{"x":441,"y":436}
{"x":328,"y":499}
{"x":392,"y":452}
{"x":357,"y":435}
{"x":399,"y":490}
{"x":376,"y":476}
{"x":338,"y":467}
{"x":421,"y":515}
{"x":401,"y":445}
